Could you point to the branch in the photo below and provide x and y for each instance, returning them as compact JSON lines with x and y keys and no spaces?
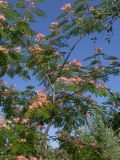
{"x":46,"y":132}
{"x":53,"y":93}
{"x":70,"y":52}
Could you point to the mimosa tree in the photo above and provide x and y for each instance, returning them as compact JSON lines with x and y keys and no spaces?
{"x":67,"y":101}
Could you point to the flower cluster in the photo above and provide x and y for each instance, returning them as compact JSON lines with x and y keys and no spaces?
{"x":2,"y":124}
{"x":67,"y":80}
{"x":16,"y":120}
{"x":75,"y":80}
{"x":91,"y":81}
{"x":76,"y":63}
{"x":3,"y":49}
{"x":40,"y":101}
{"x":36,"y":49}
{"x":23,"y":120}
{"x":40,"y":36}
{"x":17,"y":49}
{"x":2,"y":121}
{"x":54,"y":26}
{"x":3,"y":4}
{"x":33,"y":158}
{"x":100,"y":85}
{"x":66,"y":7}
{"x":2,"y":17}
{"x":85,"y":74}
{"x":40,"y":126}
{"x":22,"y":157}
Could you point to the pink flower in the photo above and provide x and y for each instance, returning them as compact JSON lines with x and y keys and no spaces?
{"x":76,"y":63}
{"x":21,"y":157}
{"x":40,"y":126}
{"x":33,"y":158}
{"x":100,"y":85}
{"x":16,"y":120}
{"x":4,"y":49}
{"x":17,"y":49}
{"x":67,"y":6}
{"x":91,"y":81}
{"x":2,"y":17}
{"x":40,"y":101}
{"x":85,"y":74}
{"x":2,"y":121}
{"x":25,"y":120}
{"x":41,"y":93}
{"x":67,"y":80}
{"x":36,"y":49}
{"x":40,"y":36}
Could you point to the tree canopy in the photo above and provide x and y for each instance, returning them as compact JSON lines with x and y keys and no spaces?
{"x":86,"y":129}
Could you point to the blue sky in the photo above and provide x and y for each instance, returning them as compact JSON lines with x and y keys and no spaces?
{"x":83,"y":50}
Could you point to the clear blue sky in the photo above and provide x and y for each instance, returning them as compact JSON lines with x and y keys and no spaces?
{"x":84,"y":49}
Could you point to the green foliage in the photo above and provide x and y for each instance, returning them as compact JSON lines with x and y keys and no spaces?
{"x":39,"y":12}
{"x":93,"y":142}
